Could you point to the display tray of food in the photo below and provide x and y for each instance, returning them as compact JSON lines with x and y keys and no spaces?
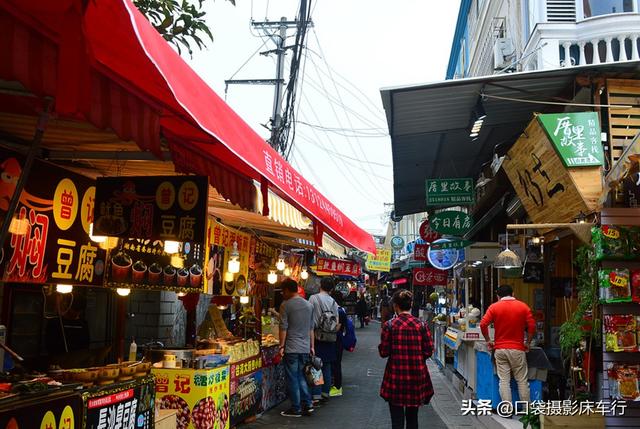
{"x":20,"y":387}
{"x":101,"y":376}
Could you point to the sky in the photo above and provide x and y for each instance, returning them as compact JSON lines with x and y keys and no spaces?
{"x":355,"y":48}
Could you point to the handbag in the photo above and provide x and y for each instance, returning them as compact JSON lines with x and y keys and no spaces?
{"x":312,"y":374}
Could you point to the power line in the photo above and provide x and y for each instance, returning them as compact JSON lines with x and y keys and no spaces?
{"x":341,"y":101}
{"x":346,"y":156}
{"x":346,"y":132}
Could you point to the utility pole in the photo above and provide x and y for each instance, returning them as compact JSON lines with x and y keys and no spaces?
{"x":277,"y":32}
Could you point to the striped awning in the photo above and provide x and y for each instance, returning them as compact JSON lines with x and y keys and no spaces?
{"x":282,"y":212}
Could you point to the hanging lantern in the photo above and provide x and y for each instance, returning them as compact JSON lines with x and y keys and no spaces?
{"x":272,"y":278}
{"x":234,"y":260}
{"x":280,"y":265}
{"x":228,"y":277}
{"x":304,"y":274}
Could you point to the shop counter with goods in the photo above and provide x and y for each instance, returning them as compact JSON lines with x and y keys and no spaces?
{"x":200,"y":396}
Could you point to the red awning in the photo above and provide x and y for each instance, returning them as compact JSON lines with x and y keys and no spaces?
{"x":199,"y":125}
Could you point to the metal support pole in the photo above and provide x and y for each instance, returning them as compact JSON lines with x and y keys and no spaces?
{"x":277,"y":97}
{"x":26,"y":168}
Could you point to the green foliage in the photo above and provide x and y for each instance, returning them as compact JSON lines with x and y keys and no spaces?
{"x":530,"y":419}
{"x":181,"y":23}
{"x":577,"y":328}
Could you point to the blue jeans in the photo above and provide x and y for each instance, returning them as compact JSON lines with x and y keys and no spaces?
{"x":323,"y":390}
{"x":296,"y":381}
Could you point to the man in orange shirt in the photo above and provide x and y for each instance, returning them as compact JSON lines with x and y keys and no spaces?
{"x":510,"y":318}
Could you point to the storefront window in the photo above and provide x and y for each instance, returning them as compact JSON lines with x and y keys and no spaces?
{"x":605,"y":7}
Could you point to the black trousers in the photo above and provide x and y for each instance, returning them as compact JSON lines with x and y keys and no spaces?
{"x":337,"y":367}
{"x":401,"y":414}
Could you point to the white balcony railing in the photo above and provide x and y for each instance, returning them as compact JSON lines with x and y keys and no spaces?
{"x":602,"y":39}
{"x":599,"y":50}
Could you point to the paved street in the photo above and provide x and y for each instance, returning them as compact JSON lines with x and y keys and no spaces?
{"x":361,"y":406}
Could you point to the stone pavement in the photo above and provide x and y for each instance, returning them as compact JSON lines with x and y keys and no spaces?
{"x":361,"y":407}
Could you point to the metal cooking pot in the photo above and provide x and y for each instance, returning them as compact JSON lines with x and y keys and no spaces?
{"x":157,"y":355}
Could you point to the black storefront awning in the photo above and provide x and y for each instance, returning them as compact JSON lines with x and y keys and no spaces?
{"x":429,"y":124}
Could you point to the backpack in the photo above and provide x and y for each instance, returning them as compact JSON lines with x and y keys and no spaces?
{"x":349,"y":336}
{"x":327,"y":329}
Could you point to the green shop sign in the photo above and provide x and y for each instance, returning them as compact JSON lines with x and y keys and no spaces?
{"x":576,"y":137}
{"x":455,"y":244}
{"x":397,"y":242}
{"x":451,"y":222}
{"x":446,"y":192}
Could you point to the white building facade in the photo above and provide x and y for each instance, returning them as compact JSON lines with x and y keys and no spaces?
{"x":500,"y":36}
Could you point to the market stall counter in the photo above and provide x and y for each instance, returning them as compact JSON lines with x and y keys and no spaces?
{"x":200,"y":396}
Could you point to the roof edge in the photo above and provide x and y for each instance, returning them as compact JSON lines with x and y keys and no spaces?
{"x":463,"y":14}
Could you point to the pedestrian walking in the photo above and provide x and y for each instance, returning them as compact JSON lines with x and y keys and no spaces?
{"x":510,"y":318}
{"x":361,"y":309}
{"x":336,"y":369}
{"x":406,"y":343}
{"x":386,"y":310}
{"x":296,"y":346}
{"x":326,"y":327}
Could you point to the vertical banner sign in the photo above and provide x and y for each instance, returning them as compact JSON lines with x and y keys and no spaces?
{"x":153,"y":208}
{"x":576,"y":137}
{"x":381,"y":261}
{"x":450,"y":192}
{"x":221,"y":239}
{"x":429,"y":277}
{"x":128,"y":407}
{"x":200,"y":396}
{"x":48,"y":239}
{"x":338,"y":266}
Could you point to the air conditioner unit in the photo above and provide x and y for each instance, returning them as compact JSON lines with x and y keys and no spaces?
{"x":503,"y":52}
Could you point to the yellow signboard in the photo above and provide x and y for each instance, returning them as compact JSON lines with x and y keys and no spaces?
{"x":200,"y":396}
{"x":221,"y":239}
{"x":381,"y":261}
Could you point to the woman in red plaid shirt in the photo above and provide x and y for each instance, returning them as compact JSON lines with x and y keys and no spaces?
{"x":406,"y":341}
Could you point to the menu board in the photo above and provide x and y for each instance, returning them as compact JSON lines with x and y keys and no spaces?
{"x":128,"y":406}
{"x":152,"y":207}
{"x":143,"y":264}
{"x":49,"y":234}
{"x":200,"y":396}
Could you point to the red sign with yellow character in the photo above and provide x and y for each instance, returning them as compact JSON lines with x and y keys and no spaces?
{"x":49,"y":232}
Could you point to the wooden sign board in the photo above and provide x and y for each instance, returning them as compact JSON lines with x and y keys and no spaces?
{"x":549,"y":191}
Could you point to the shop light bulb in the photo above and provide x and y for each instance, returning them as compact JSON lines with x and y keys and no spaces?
{"x":64,"y":288}
{"x":287,"y":271}
{"x":171,"y":247}
{"x":280,"y":265}
{"x":304,"y":274}
{"x":272,"y":278}
{"x":244,"y":299}
{"x":181,"y":294}
{"x":228,"y":277}
{"x":234,"y":259}
{"x":222,"y":307}
{"x":19,"y":226}
{"x":177,"y":261}
{"x":96,"y":238}
{"x":123,"y":291}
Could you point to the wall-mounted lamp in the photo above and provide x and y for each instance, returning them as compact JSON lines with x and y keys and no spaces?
{"x":171,"y":247}
{"x":64,"y":288}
